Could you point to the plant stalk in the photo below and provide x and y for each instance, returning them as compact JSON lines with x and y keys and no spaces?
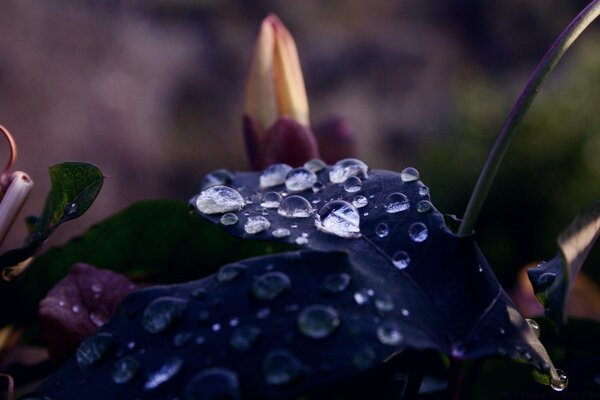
{"x":507,"y":133}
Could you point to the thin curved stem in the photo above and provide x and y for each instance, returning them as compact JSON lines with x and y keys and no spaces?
{"x":12,"y":146}
{"x":507,"y":133}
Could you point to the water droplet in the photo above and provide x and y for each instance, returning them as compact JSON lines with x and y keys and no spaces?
{"x":213,"y":384}
{"x":318,"y":321}
{"x":423,"y":191}
{"x":71,"y":209}
{"x":200,"y":340}
{"x":315,"y":165}
{"x":263,"y":313}
{"x":216,"y":177}
{"x":352,"y":184}
{"x":167,"y":371}
{"x":424,"y":206}
{"x":344,"y":169}
{"x":96,"y":287}
{"x":243,"y":338}
{"x":502,"y":331}
{"x":75,"y":309}
{"x":203,"y":316}
{"x":161,"y":313}
{"x":229,"y":272}
{"x":233,"y":322}
{"x":336,"y":283}
{"x":360,"y":201}
{"x":274,"y":175}
{"x":229,"y":219}
{"x":182,"y":338}
{"x":409,"y":174}
{"x":92,"y":349}
{"x":384,"y":303}
{"x":561,"y":383}
{"x":382,"y":230}
{"x":535,"y":327}
{"x":401,"y":259}
{"x":295,"y":207}
{"x":396,"y":202}
{"x":301,"y":240}
{"x":256,"y":225}
{"x":271,"y":200}
{"x":318,"y":187}
{"x":299,"y":179}
{"x":339,"y":218}
{"x":458,"y":350}
{"x":216,"y":327}
{"x":270,"y":285}
{"x":199,"y":293}
{"x":98,"y":319}
{"x":362,"y":297}
{"x":219,"y":199}
{"x":364,"y":358}
{"x":281,"y":233}
{"x":125,"y":369}
{"x":405,"y":312}
{"x":389,"y":333}
{"x":281,"y":367}
{"x":61,"y":303}
{"x":545,"y":280}
{"x":418,"y":232}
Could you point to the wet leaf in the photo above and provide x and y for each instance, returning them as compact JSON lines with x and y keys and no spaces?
{"x":552,"y":281}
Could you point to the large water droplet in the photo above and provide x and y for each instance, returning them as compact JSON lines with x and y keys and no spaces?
{"x":336,"y":283}
{"x":318,"y":321}
{"x":389,"y":333}
{"x":213,"y":384}
{"x":274,"y":175}
{"x":424,"y":206}
{"x":229,"y":272}
{"x":161,"y":313}
{"x":281,"y":367}
{"x":418,"y":232}
{"x":295,"y":207}
{"x":125,"y":369}
{"x":396,"y":202}
{"x":299,"y":179}
{"x":219,"y":199}
{"x":92,"y":349}
{"x":352,"y":184}
{"x":401,"y":259}
{"x":167,"y":371}
{"x":229,"y":219}
{"x":339,"y":218}
{"x":409,"y":174}
{"x":561,"y":383}
{"x":360,"y":201}
{"x":256,"y":225}
{"x":271,"y":200}
{"x":535,"y":327}
{"x":281,"y":233}
{"x":270,"y":285}
{"x":243,"y":338}
{"x":315,"y":165}
{"x":344,"y":169}
{"x":217,"y":177}
{"x":382,"y":230}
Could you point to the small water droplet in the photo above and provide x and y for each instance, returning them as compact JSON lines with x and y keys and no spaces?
{"x":271,"y":200}
{"x":545,"y":280}
{"x":280,"y":233}
{"x":263,"y":313}
{"x":203,"y":316}
{"x":384,"y":303}
{"x":362,"y":297}
{"x":270,"y":285}
{"x":299,"y":179}
{"x":96,"y":287}
{"x":161,"y":313}
{"x":423,"y":191}
{"x":401,"y":259}
{"x":98,"y":319}
{"x":561,"y":383}
{"x":360,"y":201}
{"x":424,"y":206}
{"x":274,"y":175}
{"x":294,"y":226}
{"x":216,"y":327}
{"x":396,"y":202}
{"x":405,"y":312}
{"x":458,"y":350}
{"x":382,"y":230}
{"x":409,"y":174}
{"x":364,"y":358}
{"x":61,"y":303}
{"x":182,"y":338}
{"x":281,"y":367}
{"x":339,"y":218}
{"x":295,"y":207}
{"x":256,"y":225}
{"x":213,"y":384}
{"x":218,"y":199}
{"x":229,"y":219}
{"x":344,"y":169}
{"x":229,"y":272}
{"x":233,"y":322}
{"x":352,"y":184}
{"x":301,"y":240}
{"x":71,"y":209}
{"x":502,"y":331}
{"x":75,"y":309}
{"x":315,"y":165}
{"x":335,"y":283}
{"x":167,"y":371}
{"x":131,"y":345}
{"x":318,"y":187}
{"x":243,"y":338}
{"x":125,"y":369}
{"x":199,"y":293}
{"x":215,"y":178}
{"x":200,"y":340}
{"x":418,"y":232}
{"x":92,"y":349}
{"x":318,"y":321}
{"x":389,"y":333}
{"x":534,"y":326}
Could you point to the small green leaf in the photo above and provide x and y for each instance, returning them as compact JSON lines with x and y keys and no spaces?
{"x":553,"y":280}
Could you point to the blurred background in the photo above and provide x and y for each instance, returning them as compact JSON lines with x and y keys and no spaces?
{"x":152,"y":92}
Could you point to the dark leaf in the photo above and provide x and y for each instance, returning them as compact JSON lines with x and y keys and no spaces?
{"x":552,"y":281}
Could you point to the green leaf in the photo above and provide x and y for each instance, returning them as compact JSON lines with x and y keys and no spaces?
{"x":552,"y":281}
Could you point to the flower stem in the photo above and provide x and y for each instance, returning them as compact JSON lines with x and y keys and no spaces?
{"x":507,"y":133}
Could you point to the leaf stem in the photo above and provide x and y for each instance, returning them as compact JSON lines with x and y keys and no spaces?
{"x":507,"y":133}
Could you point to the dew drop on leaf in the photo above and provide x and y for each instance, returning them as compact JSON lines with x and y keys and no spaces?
{"x":271,"y":200}
{"x":418,"y":232}
{"x":382,"y":230}
{"x":295,"y":207}
{"x":352,"y":184}
{"x":299,"y":179}
{"x":125,"y":369}
{"x":219,"y":199}
{"x":318,"y":187}
{"x":362,"y":296}
{"x":315,"y":165}
{"x":280,"y":233}
{"x":217,"y":177}
{"x":274,"y":175}
{"x":401,"y":259}
{"x":167,"y":371}
{"x":396,"y":202}
{"x":213,"y":384}
{"x":256,"y":225}
{"x":318,"y":321}
{"x":92,"y":349}
{"x":161,"y":313}
{"x":270,"y":285}
{"x":389,"y":333}
{"x":534,"y":326}
{"x":339,"y":218}
{"x":281,"y":367}
{"x":561,"y":383}
{"x":229,"y":219}
{"x":344,"y":169}
{"x":384,"y":303}
{"x":229,"y":272}
{"x":364,"y":358}
{"x":301,"y":240}
{"x":423,"y":191}
{"x":71,"y":209}
{"x":360,"y":201}
{"x":424,"y":206}
{"x":335,"y":283}
{"x":182,"y":338}
{"x":243,"y":338}
{"x":409,"y":174}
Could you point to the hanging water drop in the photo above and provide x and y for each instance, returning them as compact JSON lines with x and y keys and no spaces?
{"x":295,"y":207}
{"x":335,"y":283}
{"x":339,"y":218}
{"x":344,"y":169}
{"x":315,"y":165}
{"x":256,"y":225}
{"x":125,"y":369}
{"x":161,"y":313}
{"x":218,"y":199}
{"x":396,"y":202}
{"x":213,"y":384}
{"x":561,"y":383}
{"x":274,"y":175}
{"x":401,"y":259}
{"x":318,"y":321}
{"x":271,"y":200}
{"x":167,"y":371}
{"x":217,"y":177}
{"x":382,"y":230}
{"x":424,"y":206}
{"x":229,"y":272}
{"x":534,"y":326}
{"x":92,"y":349}
{"x":360,"y":201}
{"x":299,"y":179}
{"x":418,"y":232}
{"x":409,"y":174}
{"x":352,"y":184}
{"x":243,"y":338}
{"x":229,"y":219}
{"x":281,"y":367}
{"x":280,"y":233}
{"x":389,"y":333}
{"x":270,"y":285}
